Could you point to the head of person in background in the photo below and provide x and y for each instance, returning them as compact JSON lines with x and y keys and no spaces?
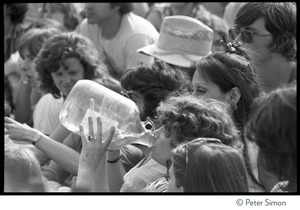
{"x":96,"y":12}
{"x":206,"y":165}
{"x":67,"y":58}
{"x":14,"y":15}
{"x":268,"y":31}
{"x":272,"y":126}
{"x":65,"y":13}
{"x":22,"y":171}
{"x":147,"y":86}
{"x":29,"y":46}
{"x":182,"y":40}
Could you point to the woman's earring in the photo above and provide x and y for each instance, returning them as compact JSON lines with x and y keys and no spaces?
{"x":233,"y":107}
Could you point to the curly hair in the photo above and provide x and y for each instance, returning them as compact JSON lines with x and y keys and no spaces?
{"x":155,"y":83}
{"x":61,"y":47}
{"x":17,"y":12}
{"x":272,"y":126}
{"x":228,"y":71}
{"x":186,"y":118}
{"x":280,"y":20}
{"x":204,"y":165}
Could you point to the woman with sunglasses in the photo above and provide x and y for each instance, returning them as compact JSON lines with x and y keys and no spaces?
{"x":267,"y":31}
{"x":206,"y":165}
{"x":184,"y":118}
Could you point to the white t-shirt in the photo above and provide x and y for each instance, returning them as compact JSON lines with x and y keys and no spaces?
{"x":120,"y":52}
{"x":46,"y":113}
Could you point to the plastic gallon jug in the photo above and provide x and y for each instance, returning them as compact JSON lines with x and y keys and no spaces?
{"x":88,"y":98}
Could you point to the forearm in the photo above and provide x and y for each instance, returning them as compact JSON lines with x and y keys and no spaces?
{"x":23,"y":110}
{"x":59,"y":133}
{"x":63,"y":155}
{"x":115,"y":171}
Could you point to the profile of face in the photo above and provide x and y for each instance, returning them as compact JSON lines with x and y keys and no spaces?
{"x":258,"y":47}
{"x":27,"y":67}
{"x":67,"y":75}
{"x":205,"y":88}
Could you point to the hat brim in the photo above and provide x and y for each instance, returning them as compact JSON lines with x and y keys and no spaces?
{"x":175,"y":59}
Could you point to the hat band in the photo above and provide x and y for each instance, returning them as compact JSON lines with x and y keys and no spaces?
{"x":197,"y":35}
{"x":183,"y":54}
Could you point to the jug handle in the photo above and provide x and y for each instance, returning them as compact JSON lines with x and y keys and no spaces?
{"x":148,"y":122}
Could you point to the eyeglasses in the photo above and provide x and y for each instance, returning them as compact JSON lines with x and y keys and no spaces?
{"x":247,"y":36}
{"x":198,"y":141}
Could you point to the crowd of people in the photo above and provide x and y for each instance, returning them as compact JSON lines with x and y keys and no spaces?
{"x":218,"y":81}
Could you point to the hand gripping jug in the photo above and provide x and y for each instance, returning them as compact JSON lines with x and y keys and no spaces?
{"x":88,"y":98}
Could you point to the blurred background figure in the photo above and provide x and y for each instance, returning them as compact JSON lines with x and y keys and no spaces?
{"x":65,"y":13}
{"x":272,"y":127}
{"x":117,"y":33}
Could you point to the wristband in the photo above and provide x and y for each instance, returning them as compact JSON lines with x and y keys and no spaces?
{"x":114,"y":161}
{"x":36,"y":138}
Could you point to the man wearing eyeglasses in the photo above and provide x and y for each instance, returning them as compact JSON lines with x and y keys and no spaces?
{"x":267,"y":32}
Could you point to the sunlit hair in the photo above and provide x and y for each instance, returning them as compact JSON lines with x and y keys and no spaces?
{"x":272,"y":126}
{"x":71,"y":18}
{"x":186,"y":118}
{"x":61,"y":47}
{"x":32,"y":40}
{"x":228,"y":71}
{"x":280,"y":20}
{"x":207,"y":165}
{"x":124,"y":7}
{"x":154,"y":83}
{"x":22,"y":170}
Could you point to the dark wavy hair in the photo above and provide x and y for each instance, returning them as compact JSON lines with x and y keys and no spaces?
{"x":206,"y":166}
{"x":280,"y":20}
{"x":185,"y":118}
{"x":17,"y":12}
{"x":272,"y":126}
{"x":155,"y":83}
{"x":228,"y":71}
{"x":124,"y":7}
{"x":61,"y":47}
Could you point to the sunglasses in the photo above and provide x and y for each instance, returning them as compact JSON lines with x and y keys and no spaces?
{"x":247,"y":36}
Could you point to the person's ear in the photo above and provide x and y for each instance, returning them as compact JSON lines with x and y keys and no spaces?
{"x":233,"y":96}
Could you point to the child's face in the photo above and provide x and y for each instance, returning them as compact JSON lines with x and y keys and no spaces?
{"x":66,"y":77}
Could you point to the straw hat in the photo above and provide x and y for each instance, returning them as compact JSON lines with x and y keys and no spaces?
{"x":181,"y":41}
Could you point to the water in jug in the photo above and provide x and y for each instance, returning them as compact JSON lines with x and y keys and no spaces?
{"x":88,"y":98}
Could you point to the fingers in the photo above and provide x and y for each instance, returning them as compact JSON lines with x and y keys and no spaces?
{"x":92,"y":104}
{"x":83,"y":137}
{"x":109,"y":138}
{"x":99,"y":129}
{"x":91,"y":127}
